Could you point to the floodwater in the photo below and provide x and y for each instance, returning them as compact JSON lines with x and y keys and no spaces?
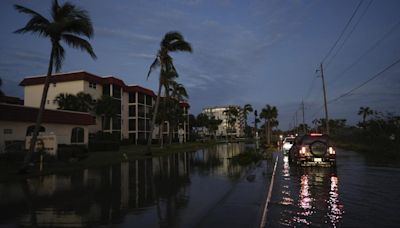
{"x":192,"y":189}
{"x":355,"y":194}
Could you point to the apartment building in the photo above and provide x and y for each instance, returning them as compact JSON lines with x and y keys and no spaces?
{"x":134,"y":115}
{"x":219,"y":112}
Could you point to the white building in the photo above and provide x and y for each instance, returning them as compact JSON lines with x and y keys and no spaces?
{"x":17,"y":122}
{"x":136,"y":102}
{"x":219,"y":112}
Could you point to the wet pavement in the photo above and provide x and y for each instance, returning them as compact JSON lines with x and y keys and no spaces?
{"x":355,"y":194}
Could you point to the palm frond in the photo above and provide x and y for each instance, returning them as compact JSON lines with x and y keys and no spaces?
{"x":180,"y":45}
{"x":80,"y":43}
{"x":23,"y":9}
{"x":58,"y":56}
{"x":153,"y":66}
{"x":79,"y":27}
{"x":170,"y":37}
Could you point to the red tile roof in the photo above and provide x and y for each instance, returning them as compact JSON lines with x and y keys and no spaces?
{"x":63,"y":77}
{"x":20,"y":113}
{"x":83,"y":75}
{"x":140,"y":89}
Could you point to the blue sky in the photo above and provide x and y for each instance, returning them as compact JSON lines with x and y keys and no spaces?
{"x":258,"y":52}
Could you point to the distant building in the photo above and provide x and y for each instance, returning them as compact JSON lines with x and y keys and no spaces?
{"x":219,"y":112}
{"x":136,"y":102}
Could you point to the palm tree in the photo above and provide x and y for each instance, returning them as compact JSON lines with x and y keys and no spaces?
{"x":172,"y":41}
{"x":107,"y":107}
{"x":67,"y":23}
{"x":231,"y":113}
{"x":247,"y":108}
{"x":269,"y":113}
{"x":1,"y":92}
{"x":81,"y":102}
{"x":84,"y":102}
{"x":178,"y":95}
{"x":364,"y":112}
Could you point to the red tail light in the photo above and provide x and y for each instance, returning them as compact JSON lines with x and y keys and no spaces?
{"x":331,"y":150}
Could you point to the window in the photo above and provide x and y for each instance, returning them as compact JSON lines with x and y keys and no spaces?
{"x":132,"y":110}
{"x":116,"y":123}
{"x":92,"y":85}
{"x":132,"y":97}
{"x":7,"y":131}
{"x":141,"y":124}
{"x":141,"y":111}
{"x":149,"y":100}
{"x":116,"y":91}
{"x":30,"y":129}
{"x":147,"y":125}
{"x":119,"y":106}
{"x":54,"y":101}
{"x":54,"y":84}
{"x":77,"y":135}
{"x":132,"y":124}
{"x":141,"y":98}
{"x":106,"y":89}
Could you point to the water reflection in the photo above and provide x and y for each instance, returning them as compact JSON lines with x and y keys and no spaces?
{"x":313,"y":199}
{"x":152,"y":192}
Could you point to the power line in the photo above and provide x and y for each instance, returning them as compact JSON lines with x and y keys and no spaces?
{"x":345,"y":28}
{"x":367,"y":81}
{"x":349,"y":34}
{"x":375,"y":45}
{"x":358,"y":87}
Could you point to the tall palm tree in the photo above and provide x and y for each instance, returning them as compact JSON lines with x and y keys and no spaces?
{"x":172,"y":41}
{"x":364,"y":112}
{"x":232,"y":113}
{"x":178,"y":94}
{"x":67,"y":24}
{"x":247,"y":108}
{"x":269,"y":113}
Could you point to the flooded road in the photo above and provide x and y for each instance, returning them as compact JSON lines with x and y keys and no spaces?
{"x":355,"y":194}
{"x":194,"y":189}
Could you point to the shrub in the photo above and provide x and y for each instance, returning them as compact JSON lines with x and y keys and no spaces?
{"x":69,"y":152}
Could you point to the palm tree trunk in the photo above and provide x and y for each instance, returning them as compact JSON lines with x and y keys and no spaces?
{"x":28,"y":156}
{"x":153,"y":120}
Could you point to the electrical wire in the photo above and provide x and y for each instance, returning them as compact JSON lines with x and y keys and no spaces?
{"x":343,"y":31}
{"x":349,"y":34}
{"x":369,"y":50}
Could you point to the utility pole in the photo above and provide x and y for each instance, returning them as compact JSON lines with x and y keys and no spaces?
{"x":326,"y":106}
{"x":304,"y":125}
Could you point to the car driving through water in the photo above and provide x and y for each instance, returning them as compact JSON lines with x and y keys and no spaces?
{"x":287,"y":144}
{"x":312,"y":150}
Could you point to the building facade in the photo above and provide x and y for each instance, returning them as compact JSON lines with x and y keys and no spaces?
{"x":224,"y":129}
{"x":132,"y":122}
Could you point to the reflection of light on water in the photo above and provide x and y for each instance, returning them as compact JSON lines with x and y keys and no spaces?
{"x":305,"y":201}
{"x":335,"y":208}
{"x":286,"y":199}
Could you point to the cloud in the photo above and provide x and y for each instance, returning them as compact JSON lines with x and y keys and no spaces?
{"x":125,"y":34}
{"x":141,"y":55}
{"x":31,"y":56}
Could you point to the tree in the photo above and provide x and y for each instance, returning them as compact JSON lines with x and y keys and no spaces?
{"x":67,"y":24}
{"x":107,"y":107}
{"x":269,"y":113}
{"x":82,"y":102}
{"x":1,"y":92}
{"x":364,"y":112}
{"x":212,"y":125}
{"x":232,"y":113}
{"x":247,"y":108}
{"x":178,"y":94}
{"x":172,"y":41}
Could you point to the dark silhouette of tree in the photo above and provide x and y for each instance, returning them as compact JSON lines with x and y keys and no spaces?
{"x":67,"y":24}
{"x":172,"y":41}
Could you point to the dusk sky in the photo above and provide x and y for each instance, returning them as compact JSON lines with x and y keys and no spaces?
{"x":258,"y":52}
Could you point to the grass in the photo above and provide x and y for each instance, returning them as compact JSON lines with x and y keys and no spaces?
{"x":9,"y":170}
